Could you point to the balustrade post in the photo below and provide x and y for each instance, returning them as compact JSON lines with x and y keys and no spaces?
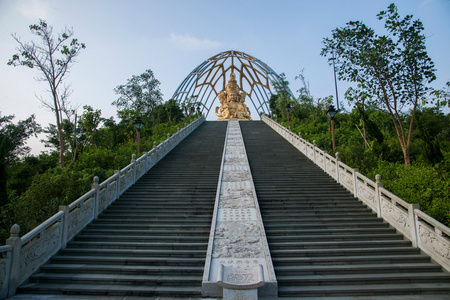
{"x":338,"y":159}
{"x":117,"y":174}
{"x":156,"y":153}
{"x":413,"y":224}
{"x":325,"y":152}
{"x":15,"y":242}
{"x":96,"y":186}
{"x":314,"y":151}
{"x":355,"y":182}
{"x":146,"y":155}
{"x":133,"y":163}
{"x":65,"y":209}
{"x":378,"y":185}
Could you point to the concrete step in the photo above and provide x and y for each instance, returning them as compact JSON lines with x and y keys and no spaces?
{"x":120,"y":269}
{"x":308,"y":211}
{"x":351,"y":260}
{"x":154,"y":207}
{"x":129,"y":261}
{"x":111,"y":290}
{"x":370,"y":225}
{"x":142,"y":238}
{"x":201,"y":216}
{"x":141,"y":232}
{"x":359,"y":236}
{"x":116,"y":279}
{"x":138,"y":245}
{"x":164,"y":253}
{"x":336,"y":244}
{"x":326,"y":269}
{"x":403,"y":290}
{"x":172,"y":221}
{"x":359,"y":279}
{"x":386,"y":251}
{"x":322,"y":220}
{"x":328,"y":231}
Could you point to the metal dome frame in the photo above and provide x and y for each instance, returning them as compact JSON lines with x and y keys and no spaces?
{"x":201,"y":87}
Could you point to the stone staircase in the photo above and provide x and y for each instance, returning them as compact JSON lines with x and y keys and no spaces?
{"x":323,"y":241}
{"x":152,"y":241}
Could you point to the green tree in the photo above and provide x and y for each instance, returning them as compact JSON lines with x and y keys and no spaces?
{"x":141,"y":94}
{"x":52,"y":57}
{"x":89,"y":121}
{"x":283,"y":94}
{"x":12,"y":145}
{"x":169,"y":112}
{"x":393,"y":69}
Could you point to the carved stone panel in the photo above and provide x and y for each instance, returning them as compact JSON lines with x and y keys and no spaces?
{"x":237,"y":240}
{"x":437,"y":244}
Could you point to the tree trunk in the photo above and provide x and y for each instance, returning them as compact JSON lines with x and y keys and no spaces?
{"x":407,"y":157}
{"x":61,"y":146}
{"x":58,"y":123}
{"x":365,"y":134}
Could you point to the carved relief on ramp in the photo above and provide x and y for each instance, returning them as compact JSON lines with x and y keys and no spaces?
{"x":237,"y":239}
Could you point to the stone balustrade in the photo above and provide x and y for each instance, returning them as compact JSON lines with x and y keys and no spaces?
{"x":426,"y":233}
{"x":22,"y":256}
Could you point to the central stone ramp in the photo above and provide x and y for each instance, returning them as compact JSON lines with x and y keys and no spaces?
{"x":323,"y":241}
{"x":152,"y":241}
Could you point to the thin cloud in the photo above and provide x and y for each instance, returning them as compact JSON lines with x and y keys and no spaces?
{"x":189,"y":42}
{"x":426,"y":3}
{"x":34,"y":9}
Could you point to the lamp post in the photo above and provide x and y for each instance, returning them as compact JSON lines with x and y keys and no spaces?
{"x":288,"y":109}
{"x":331,"y":112}
{"x":138,"y":124}
{"x":335,"y":83}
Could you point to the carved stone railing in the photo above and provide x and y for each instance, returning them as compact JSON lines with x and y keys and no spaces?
{"x":426,"y":233}
{"x":22,"y":256}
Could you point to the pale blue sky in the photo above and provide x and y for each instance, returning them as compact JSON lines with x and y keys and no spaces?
{"x":125,"y":38}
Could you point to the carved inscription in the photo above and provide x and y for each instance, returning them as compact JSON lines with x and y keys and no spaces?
{"x":240,"y":277}
{"x":236,"y":214}
{"x":240,"y":263}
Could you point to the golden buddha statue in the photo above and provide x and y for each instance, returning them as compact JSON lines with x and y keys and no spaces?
{"x":232,"y":106}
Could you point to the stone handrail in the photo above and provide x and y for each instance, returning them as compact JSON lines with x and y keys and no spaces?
{"x":426,"y":233}
{"x":22,"y":256}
